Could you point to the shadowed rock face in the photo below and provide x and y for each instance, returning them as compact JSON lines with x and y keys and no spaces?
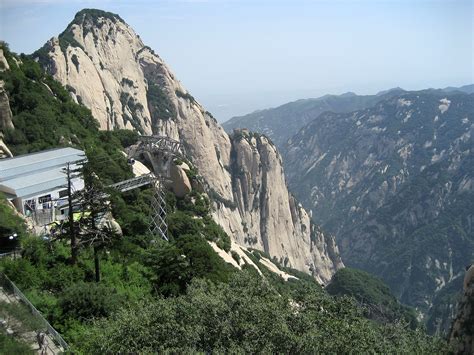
{"x":462,"y":331}
{"x":106,"y":66}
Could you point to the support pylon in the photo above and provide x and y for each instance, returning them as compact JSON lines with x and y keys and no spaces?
{"x":160,"y":151}
{"x":158,"y":225}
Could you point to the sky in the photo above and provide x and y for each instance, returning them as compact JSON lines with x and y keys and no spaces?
{"x":238,"y":56}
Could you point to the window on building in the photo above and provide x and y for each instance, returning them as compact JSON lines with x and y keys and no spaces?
{"x":62,"y":193}
{"x":44,"y":199}
{"x":29,"y":205}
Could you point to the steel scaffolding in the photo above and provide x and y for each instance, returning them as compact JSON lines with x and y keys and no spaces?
{"x":161,"y":151}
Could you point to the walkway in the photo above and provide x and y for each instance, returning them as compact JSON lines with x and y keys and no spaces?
{"x":29,"y":337}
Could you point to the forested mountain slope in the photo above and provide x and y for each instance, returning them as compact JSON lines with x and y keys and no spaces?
{"x":395,"y":183}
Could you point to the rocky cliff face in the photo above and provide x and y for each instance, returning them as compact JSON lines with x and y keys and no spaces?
{"x":461,"y":337}
{"x":106,"y":66}
{"x":271,"y":218}
{"x":395,"y":183}
{"x":5,"y":111}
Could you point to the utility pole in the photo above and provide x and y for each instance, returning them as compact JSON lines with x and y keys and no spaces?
{"x":95,"y":247}
{"x":72,"y":232}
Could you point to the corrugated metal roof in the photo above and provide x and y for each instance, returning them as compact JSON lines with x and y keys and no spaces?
{"x":33,"y":174}
{"x":35,"y":162}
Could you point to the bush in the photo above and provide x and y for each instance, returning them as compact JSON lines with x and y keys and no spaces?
{"x":235,"y":256}
{"x":372,"y":294}
{"x":10,"y":222}
{"x":174,"y":265}
{"x":247,"y":315}
{"x":12,"y":345}
{"x":85,"y":301}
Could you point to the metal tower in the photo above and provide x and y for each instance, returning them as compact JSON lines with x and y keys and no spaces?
{"x":160,"y":152}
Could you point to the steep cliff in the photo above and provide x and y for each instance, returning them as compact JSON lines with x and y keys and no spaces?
{"x":461,"y":336}
{"x":5,"y":111}
{"x":395,"y":183}
{"x":106,"y":66}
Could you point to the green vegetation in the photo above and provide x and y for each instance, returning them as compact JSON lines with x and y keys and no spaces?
{"x":21,"y":321}
{"x":44,"y":121}
{"x":215,"y":196}
{"x":94,"y":15}
{"x":186,"y":96}
{"x":13,"y":345}
{"x":90,"y":17}
{"x":156,"y":296}
{"x":10,"y":222}
{"x":159,"y":104}
{"x":128,"y":101}
{"x":246,"y":315}
{"x":127,"y":81}
{"x":75,"y":61}
{"x":19,"y":317}
{"x":211,"y":116}
{"x":375,"y":297}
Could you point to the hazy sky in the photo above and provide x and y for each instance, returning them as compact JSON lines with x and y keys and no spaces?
{"x":239,"y":56}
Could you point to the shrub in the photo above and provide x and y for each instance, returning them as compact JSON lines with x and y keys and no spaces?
{"x":75,"y":61}
{"x":13,"y":345}
{"x":85,"y":301}
{"x":235,"y":256}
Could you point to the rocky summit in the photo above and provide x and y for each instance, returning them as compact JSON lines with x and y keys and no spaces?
{"x":105,"y":66}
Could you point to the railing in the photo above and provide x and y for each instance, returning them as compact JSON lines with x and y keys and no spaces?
{"x":5,"y":253}
{"x":133,"y":183}
{"x":9,"y":286}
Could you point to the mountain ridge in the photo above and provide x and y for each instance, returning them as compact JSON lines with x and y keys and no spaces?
{"x":280,"y":123}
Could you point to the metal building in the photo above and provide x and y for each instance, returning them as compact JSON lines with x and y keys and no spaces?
{"x":36,"y":183}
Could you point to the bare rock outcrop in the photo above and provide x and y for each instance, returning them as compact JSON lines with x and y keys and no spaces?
{"x":107,"y":67}
{"x":4,"y":151}
{"x":462,"y":332}
{"x":180,"y":182}
{"x":5,"y":111}
{"x":6,"y":115}
{"x":3,"y":62}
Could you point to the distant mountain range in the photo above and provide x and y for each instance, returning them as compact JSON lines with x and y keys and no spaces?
{"x":392,"y":176}
{"x":282,"y":122}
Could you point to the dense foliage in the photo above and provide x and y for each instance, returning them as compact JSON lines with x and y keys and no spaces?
{"x":375,"y":297}
{"x":9,"y":345}
{"x":246,"y":315}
